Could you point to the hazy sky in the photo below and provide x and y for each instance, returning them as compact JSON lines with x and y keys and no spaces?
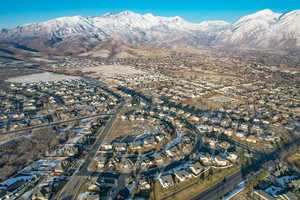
{"x":17,"y":12}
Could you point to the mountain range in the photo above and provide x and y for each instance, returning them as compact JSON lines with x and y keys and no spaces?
{"x":262,"y":30}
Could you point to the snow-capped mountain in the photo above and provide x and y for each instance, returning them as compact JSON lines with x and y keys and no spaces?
{"x":264,"y":29}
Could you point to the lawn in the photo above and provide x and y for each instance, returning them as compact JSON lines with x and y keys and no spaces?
{"x":126,"y":128}
{"x":243,"y":195}
{"x":295,"y":158}
{"x":206,"y":102}
{"x":258,"y":145}
{"x":192,"y":187}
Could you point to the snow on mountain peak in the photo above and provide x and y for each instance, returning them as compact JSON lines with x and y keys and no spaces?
{"x":214,"y":23}
{"x":107,"y":14}
{"x":126,"y":13}
{"x":148,"y":15}
{"x":67,"y":20}
{"x":177,"y":18}
{"x":258,"y":29}
{"x":264,"y":12}
{"x":263,"y":15}
{"x":291,"y":14}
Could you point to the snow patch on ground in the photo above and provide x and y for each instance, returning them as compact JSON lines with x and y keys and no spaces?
{"x":273,"y":190}
{"x":41,"y":77}
{"x":282,"y":180}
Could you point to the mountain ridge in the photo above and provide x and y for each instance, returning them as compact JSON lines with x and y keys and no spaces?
{"x":264,"y":29}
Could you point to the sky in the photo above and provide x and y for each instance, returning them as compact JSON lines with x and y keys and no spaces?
{"x":18,"y":12}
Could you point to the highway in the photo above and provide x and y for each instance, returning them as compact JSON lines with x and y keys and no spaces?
{"x":70,"y":190}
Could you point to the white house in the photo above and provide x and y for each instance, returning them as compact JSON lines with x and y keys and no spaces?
{"x":166,"y":181}
{"x":183,"y":175}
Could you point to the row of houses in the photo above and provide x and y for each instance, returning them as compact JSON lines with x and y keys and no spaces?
{"x":24,"y":105}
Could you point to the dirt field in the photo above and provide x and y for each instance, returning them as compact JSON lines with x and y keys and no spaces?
{"x":126,"y":128}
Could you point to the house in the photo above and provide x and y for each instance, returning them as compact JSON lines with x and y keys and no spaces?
{"x":232,"y":157}
{"x":178,"y":123}
{"x":183,"y":175}
{"x":251,"y":139}
{"x":42,"y":193}
{"x":106,"y":147}
{"x":144,"y":185}
{"x":126,"y":164}
{"x":120,"y":146}
{"x":91,"y":196}
{"x":217,"y":129}
{"x":205,"y":159}
{"x":271,"y":138}
{"x":288,"y":196}
{"x":244,"y":127}
{"x":108,"y":178}
{"x":203,"y":127}
{"x":220,"y":161}
{"x":196,"y":168}
{"x":158,"y":159}
{"x":194,"y":118}
{"x":172,"y":152}
{"x":59,"y":168}
{"x":240,"y":135}
{"x":224,"y":145}
{"x":146,"y":162}
{"x":262,"y":195}
{"x":296,"y":183}
{"x":166,"y":181}
{"x":159,"y":137}
{"x":101,"y":161}
{"x":136,"y":145}
{"x":13,"y":184}
{"x":149,"y":141}
{"x":123,"y":117}
{"x":211,"y":142}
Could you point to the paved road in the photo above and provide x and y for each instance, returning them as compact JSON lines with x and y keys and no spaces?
{"x":120,"y":186}
{"x":84,"y":168}
{"x":70,"y":190}
{"x":56,"y":123}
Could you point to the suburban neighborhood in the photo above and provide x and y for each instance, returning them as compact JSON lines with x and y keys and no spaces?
{"x":154,"y":129}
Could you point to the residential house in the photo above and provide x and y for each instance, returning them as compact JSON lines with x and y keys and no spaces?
{"x":183,"y":175}
{"x":205,"y":159}
{"x":220,"y":161}
{"x":262,"y":195}
{"x":120,"y":147}
{"x":196,"y":168}
{"x":166,"y":181}
{"x":251,"y":138}
{"x":232,"y":157}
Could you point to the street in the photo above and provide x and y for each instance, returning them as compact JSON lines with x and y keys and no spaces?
{"x":70,"y":190}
